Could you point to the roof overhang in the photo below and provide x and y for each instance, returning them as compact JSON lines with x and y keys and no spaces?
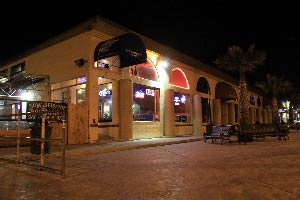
{"x":21,"y":83}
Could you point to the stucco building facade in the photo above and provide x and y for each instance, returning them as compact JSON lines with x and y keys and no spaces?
{"x":167,"y":94}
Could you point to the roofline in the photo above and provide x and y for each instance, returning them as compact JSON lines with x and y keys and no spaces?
{"x":88,"y":26}
{"x":79,"y":29}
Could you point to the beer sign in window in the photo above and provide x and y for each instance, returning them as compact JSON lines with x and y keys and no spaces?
{"x":145,"y":105}
{"x":182,"y":107}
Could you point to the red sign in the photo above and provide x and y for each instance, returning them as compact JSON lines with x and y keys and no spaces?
{"x":150,"y":92}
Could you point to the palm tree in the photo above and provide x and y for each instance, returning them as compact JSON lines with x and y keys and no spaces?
{"x":275,"y":88}
{"x":242,"y":61}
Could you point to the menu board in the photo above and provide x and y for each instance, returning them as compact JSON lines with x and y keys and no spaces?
{"x":52,"y":111}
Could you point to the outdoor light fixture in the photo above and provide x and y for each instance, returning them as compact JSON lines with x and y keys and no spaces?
{"x":163,"y":64}
{"x":105,"y":65}
{"x":79,"y":62}
{"x":27,"y":95}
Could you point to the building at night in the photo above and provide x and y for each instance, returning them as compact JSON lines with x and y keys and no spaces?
{"x":123,"y":85}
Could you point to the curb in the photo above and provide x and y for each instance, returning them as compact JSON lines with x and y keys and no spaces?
{"x":83,"y":151}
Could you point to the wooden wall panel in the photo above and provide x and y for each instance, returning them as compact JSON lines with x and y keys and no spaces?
{"x":77,"y":124}
{"x":56,"y":133}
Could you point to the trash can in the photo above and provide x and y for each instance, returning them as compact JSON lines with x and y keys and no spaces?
{"x":35,"y":133}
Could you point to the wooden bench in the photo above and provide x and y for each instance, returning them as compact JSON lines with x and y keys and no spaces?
{"x":219,"y":132}
{"x":278,"y":131}
{"x":262,"y":131}
{"x":9,"y":138}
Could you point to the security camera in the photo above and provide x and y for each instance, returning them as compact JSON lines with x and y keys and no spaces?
{"x":79,"y":62}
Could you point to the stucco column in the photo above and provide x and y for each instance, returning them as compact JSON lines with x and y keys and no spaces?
{"x":251,"y":115}
{"x":92,"y":101}
{"x":268,"y":109}
{"x":197,"y":114}
{"x":231,"y":113}
{"x":269,"y":116}
{"x":125,"y":114}
{"x":47,"y":90}
{"x":169,"y":118}
{"x":259,"y":115}
{"x":115,"y":108}
{"x":264,"y":116}
{"x":224,"y":113}
{"x":217,"y":112}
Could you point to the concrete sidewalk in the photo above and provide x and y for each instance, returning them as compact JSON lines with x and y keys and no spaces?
{"x":263,"y":169}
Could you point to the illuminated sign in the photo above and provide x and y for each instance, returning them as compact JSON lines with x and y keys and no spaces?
{"x":139,"y":94}
{"x":104,"y":92}
{"x":179,"y":100}
{"x":183,"y":99}
{"x":176,"y":100}
{"x":179,"y":79}
{"x":150,"y":92}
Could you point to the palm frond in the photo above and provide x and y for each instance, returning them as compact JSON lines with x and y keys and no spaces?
{"x":236,"y":59}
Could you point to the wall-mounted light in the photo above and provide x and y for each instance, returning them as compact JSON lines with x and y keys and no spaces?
{"x":27,"y":95}
{"x":79,"y":62}
{"x":163,"y":64}
{"x":105,"y":65}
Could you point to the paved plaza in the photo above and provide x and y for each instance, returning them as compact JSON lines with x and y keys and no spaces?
{"x":167,"y":168}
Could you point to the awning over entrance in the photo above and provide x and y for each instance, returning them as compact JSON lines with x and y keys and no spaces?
{"x":129,"y":47}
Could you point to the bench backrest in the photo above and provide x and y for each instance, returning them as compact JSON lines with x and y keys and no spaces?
{"x":221,"y":130}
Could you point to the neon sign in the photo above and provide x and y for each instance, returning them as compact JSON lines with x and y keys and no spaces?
{"x":179,"y":79}
{"x":81,"y":80}
{"x":150,"y":92}
{"x":104,"y":92}
{"x":179,"y":100}
{"x":183,"y":99}
{"x":176,"y":101}
{"x":139,"y":94}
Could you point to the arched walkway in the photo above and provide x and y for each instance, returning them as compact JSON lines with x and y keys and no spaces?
{"x":225,"y":104}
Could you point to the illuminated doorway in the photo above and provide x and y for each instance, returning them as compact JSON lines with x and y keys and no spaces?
{"x":104,"y":100}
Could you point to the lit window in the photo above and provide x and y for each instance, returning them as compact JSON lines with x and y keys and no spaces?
{"x":105,"y":103}
{"x":182,"y":107}
{"x":145,"y":105}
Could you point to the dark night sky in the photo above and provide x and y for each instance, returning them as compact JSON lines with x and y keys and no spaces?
{"x":201,"y":30}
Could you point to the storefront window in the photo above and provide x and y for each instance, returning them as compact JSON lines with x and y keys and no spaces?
{"x":182,"y":107}
{"x":71,"y":91}
{"x":105,"y":103}
{"x":145,"y":105}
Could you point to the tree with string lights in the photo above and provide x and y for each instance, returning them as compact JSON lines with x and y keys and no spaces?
{"x":276,"y":88}
{"x":236,"y":59}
